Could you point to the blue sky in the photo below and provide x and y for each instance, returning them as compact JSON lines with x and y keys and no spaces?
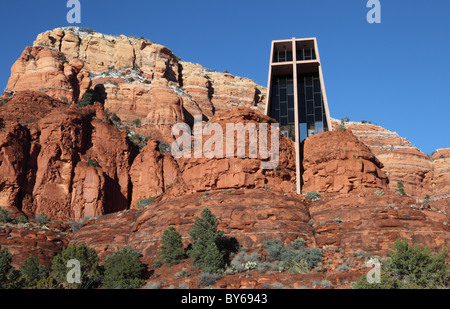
{"x":395,"y":74}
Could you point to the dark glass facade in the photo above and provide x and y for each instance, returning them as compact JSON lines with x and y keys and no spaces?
{"x":306,"y":54}
{"x":282,"y":56}
{"x":282,"y":104}
{"x":311,"y":111}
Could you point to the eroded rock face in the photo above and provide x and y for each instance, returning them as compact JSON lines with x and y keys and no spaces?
{"x":337,"y":162}
{"x":423,"y":177}
{"x":371,"y":223}
{"x":63,"y":162}
{"x":142,"y":80}
{"x":250,"y":216}
{"x":14,"y":150}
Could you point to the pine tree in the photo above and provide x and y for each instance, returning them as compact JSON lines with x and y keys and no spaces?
{"x":9,"y":276}
{"x":32,"y":271}
{"x":207,"y":251}
{"x":172,"y":247}
{"x":124,"y":270}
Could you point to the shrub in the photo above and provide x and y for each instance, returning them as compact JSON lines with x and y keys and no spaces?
{"x":22,"y":219}
{"x":182,"y":274}
{"x":5,"y":215}
{"x":87,"y":99}
{"x":157,"y":263}
{"x":298,"y":244}
{"x":164,"y":148}
{"x":314,"y":196}
{"x":379,"y":192}
{"x":207,"y":279}
{"x":400,"y":189}
{"x":172,"y":247}
{"x":337,"y":220}
{"x":42,"y":219}
{"x":123,"y":270}
{"x":207,"y":252}
{"x":90,"y":275}
{"x":3,"y":101}
{"x":136,"y":122}
{"x":323,"y":283}
{"x":75,"y":226}
{"x":91,"y":162}
{"x":153,"y":285}
{"x":145,"y":202}
{"x":183,"y":286}
{"x":291,"y":257}
{"x":32,"y":272}
{"x":273,"y":247}
{"x":264,"y":267}
{"x":343,"y":268}
{"x":342,"y":125}
{"x":115,"y":119}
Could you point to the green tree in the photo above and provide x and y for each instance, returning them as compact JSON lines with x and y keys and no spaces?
{"x":9,"y":276}
{"x":417,"y":266}
{"x":172,"y":247}
{"x":207,"y":251}
{"x":411,"y":267}
{"x":32,"y":271}
{"x":123,"y":270}
{"x":90,"y":274}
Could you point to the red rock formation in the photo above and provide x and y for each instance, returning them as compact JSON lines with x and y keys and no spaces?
{"x":250,"y":216}
{"x":14,"y":149}
{"x":420,"y":175}
{"x":143,"y":80}
{"x":337,"y":162}
{"x":23,"y":242}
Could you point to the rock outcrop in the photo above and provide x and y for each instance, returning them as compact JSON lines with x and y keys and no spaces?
{"x":337,"y":162}
{"x":423,"y":177}
{"x":142,"y":80}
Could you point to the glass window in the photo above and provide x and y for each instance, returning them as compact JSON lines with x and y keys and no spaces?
{"x":291,"y":101}
{"x":275,"y":114}
{"x":283,"y":96}
{"x":319,"y":126}
{"x":283,"y":109}
{"x":290,"y":88}
{"x":310,"y":107}
{"x":318,"y":100}
{"x":309,"y":93}
{"x":303,"y":131}
{"x":289,"y":56}
{"x":283,"y":121}
{"x":318,"y":113}
{"x":317,"y":86}
{"x":291,"y":115}
{"x":308,"y":55}
{"x":275,"y":89}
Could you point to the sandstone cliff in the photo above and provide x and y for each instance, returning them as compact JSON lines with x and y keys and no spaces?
{"x":73,"y":163}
